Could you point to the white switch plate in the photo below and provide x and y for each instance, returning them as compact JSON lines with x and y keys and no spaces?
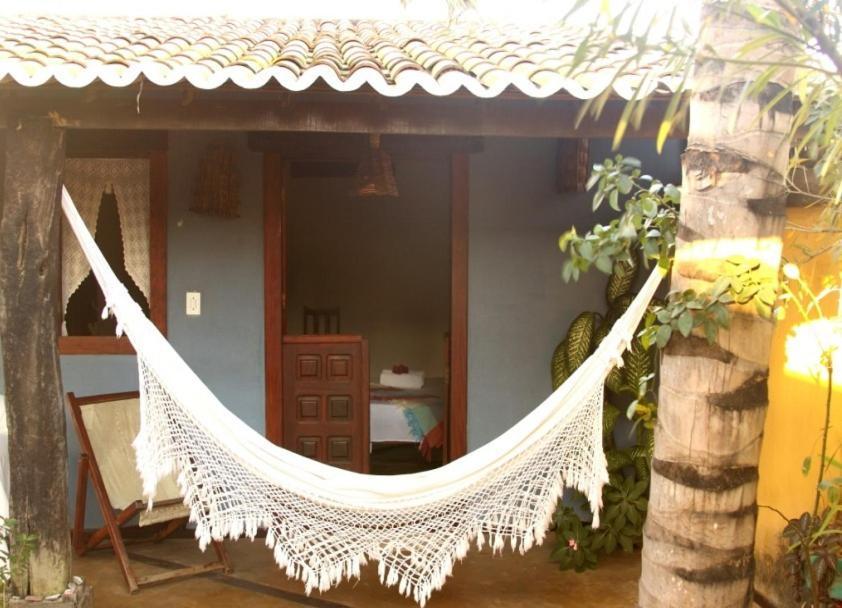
{"x":194,"y":304}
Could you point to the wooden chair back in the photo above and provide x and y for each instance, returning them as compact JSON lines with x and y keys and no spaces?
{"x":106,"y":426}
{"x":321,"y":321}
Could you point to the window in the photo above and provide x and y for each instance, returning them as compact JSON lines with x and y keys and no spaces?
{"x":122,"y":200}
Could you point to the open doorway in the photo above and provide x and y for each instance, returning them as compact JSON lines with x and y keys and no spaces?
{"x":368,"y":294}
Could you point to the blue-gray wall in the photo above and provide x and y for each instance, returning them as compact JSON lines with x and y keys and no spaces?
{"x":518,"y":305}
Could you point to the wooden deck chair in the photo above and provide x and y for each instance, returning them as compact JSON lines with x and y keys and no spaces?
{"x":106,"y":426}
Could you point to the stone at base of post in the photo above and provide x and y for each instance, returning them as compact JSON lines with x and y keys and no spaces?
{"x":78,"y":594}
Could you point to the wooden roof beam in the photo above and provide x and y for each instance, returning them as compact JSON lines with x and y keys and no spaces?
{"x":297,"y":146}
{"x":338,"y":113}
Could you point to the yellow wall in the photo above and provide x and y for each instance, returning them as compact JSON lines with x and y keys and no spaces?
{"x":794,"y":419}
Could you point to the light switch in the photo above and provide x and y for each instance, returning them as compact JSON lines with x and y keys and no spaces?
{"x":194,"y":303}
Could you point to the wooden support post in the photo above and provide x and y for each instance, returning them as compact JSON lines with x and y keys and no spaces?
{"x":29,"y":322}
{"x":274,"y":290}
{"x":457,"y":420}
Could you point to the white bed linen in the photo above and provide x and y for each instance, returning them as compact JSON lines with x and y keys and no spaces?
{"x":388,"y":423}
{"x":387,"y":419}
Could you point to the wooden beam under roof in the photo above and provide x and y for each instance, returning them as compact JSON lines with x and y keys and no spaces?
{"x":158,"y":109}
{"x":323,"y":147}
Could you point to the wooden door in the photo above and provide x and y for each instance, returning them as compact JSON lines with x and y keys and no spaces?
{"x":326,"y":401}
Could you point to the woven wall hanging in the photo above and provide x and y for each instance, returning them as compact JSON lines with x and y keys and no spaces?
{"x":217,"y":190}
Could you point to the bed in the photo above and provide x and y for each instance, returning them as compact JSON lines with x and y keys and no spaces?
{"x":409,"y":416}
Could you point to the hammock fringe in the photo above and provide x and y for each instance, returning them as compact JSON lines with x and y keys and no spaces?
{"x":154,"y":448}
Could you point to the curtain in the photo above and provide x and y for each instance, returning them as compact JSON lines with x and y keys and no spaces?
{"x":86,"y":179}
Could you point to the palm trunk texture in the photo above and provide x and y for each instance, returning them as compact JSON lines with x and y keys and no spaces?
{"x":699,"y":535}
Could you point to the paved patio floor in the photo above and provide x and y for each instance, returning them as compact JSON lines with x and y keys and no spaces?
{"x":480,"y":581}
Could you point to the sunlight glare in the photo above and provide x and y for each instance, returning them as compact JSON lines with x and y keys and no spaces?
{"x":804,"y":347}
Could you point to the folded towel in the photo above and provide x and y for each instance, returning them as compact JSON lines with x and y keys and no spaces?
{"x":413,"y":380}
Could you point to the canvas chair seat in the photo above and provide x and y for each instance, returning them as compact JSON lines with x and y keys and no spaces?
{"x":107,"y":426}
{"x":112,"y":430}
{"x":162,"y":512}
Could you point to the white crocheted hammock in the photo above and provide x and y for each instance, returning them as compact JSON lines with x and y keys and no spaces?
{"x":324,"y":523}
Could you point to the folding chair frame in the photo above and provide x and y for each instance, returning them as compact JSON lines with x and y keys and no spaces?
{"x":88,"y":469}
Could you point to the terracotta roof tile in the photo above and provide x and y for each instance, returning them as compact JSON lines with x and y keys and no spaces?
{"x":391,"y":57}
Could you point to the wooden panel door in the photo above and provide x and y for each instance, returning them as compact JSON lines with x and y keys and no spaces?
{"x":326,"y":401}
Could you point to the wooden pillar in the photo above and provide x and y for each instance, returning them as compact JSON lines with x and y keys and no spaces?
{"x":29,"y":323}
{"x":274,"y":290}
{"x":457,"y":422}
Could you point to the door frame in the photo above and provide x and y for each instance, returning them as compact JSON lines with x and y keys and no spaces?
{"x":275,"y":180}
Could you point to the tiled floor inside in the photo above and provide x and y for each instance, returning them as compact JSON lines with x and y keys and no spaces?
{"x":480,"y":581}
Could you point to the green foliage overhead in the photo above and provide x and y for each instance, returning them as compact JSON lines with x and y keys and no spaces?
{"x":797,"y":62}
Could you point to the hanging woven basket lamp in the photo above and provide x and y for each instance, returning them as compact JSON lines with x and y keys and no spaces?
{"x":376,"y":174}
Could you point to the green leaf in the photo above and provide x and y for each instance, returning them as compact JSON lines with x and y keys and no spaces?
{"x":624,"y":184}
{"x":637,"y":363}
{"x":620,"y":282}
{"x":567,"y":271}
{"x":586,"y":249}
{"x":580,"y":339}
{"x":604,"y":264}
{"x":610,"y":414}
{"x":598,"y":198}
{"x":626,"y":543}
{"x":711,"y":332}
{"x":685,"y":323}
{"x":663,"y":336}
{"x":559,"y":369}
{"x":672,"y":193}
{"x":805,"y":465}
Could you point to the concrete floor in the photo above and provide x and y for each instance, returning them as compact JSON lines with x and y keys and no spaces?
{"x":480,"y":581}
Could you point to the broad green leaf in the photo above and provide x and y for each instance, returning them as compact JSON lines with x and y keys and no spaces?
{"x":685,"y":323}
{"x":604,"y":264}
{"x":663,"y":335}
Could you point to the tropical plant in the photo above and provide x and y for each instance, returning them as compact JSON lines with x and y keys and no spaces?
{"x":15,"y":549}
{"x":625,"y":497}
{"x":644,"y":233}
{"x":814,"y":545}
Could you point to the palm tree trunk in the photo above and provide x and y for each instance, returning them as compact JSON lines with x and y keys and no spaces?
{"x":699,"y":536}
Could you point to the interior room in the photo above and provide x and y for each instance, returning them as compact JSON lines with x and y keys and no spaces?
{"x":377,"y":265}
